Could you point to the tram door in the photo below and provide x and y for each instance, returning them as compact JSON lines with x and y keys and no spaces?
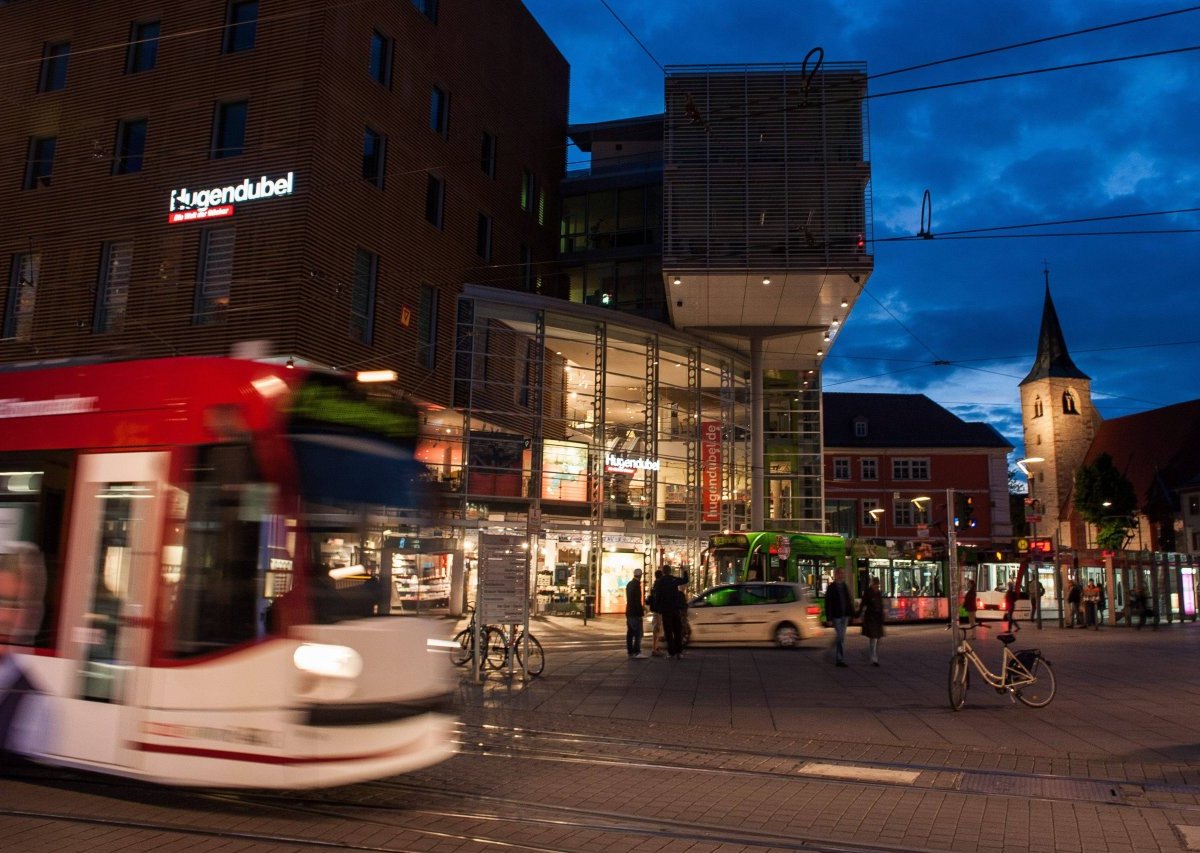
{"x":112,"y":560}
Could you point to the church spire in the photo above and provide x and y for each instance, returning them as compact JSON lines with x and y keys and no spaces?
{"x":1052,"y":356}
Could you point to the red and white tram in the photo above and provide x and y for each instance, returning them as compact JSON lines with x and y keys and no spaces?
{"x":203,"y":548}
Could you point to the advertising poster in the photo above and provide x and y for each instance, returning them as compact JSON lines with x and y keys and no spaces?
{"x":564,"y":470}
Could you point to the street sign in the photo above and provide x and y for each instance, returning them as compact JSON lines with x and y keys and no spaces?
{"x":922,"y":531}
{"x":1032,"y":519}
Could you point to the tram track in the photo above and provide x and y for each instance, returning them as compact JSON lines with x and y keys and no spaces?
{"x":576,"y":747}
{"x":482,"y":805}
{"x":491,"y":828}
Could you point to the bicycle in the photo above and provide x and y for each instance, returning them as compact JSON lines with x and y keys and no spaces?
{"x":500,"y":645}
{"x":1025,"y":675}
{"x":464,"y":642}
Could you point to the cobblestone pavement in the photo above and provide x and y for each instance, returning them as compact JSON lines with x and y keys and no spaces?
{"x":731,"y":749}
{"x":1123,"y":728}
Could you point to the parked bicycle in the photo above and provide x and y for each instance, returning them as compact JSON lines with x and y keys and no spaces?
{"x":1025,"y":675}
{"x":464,"y":642}
{"x":502,"y":645}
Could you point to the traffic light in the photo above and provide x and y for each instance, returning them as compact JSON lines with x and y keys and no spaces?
{"x":964,"y":512}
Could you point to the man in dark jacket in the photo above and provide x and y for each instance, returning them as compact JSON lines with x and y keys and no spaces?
{"x":635,"y":613}
{"x":839,"y":607}
{"x":668,"y":601}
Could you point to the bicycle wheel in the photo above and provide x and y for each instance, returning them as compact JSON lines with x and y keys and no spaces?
{"x":495,"y":648}
{"x":1038,"y":694}
{"x":958,"y":681}
{"x":536,"y":661}
{"x":464,"y":647}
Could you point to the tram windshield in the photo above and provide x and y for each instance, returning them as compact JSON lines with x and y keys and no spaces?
{"x":254,"y":556}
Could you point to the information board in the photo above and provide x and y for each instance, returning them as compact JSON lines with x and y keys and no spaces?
{"x":503,"y":578}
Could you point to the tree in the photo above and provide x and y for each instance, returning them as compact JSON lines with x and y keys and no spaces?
{"x":1104,"y":497}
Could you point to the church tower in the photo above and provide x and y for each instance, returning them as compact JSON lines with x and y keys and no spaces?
{"x":1059,"y":422}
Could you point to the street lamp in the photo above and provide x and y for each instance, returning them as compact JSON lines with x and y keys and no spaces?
{"x":876,"y":514}
{"x":1032,"y":583}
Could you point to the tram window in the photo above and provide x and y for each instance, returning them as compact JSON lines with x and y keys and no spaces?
{"x":33,"y":495}
{"x":218,"y":598}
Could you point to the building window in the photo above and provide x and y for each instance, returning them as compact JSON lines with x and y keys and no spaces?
{"x":541,"y":206}
{"x":435,"y":196}
{"x":841,"y":468}
{"x":487,"y":154}
{"x":112,"y":294}
{"x":229,"y":130}
{"x":428,"y":8}
{"x":214,"y":280}
{"x":241,"y":25}
{"x":1069,"y":404}
{"x":382,"y":49}
{"x":869,"y":506}
{"x":909,"y":468}
{"x":904,"y":513}
{"x":39,"y":165}
{"x":22,"y":296}
{"x":870,"y":468}
{"x":439,"y":112}
{"x":1037,"y":406}
{"x":860,"y":427}
{"x":54,"y":67}
{"x":527,"y":190}
{"x":373,"y":156}
{"x":483,"y":237}
{"x":130,"y":147}
{"x":362,"y":298}
{"x":427,"y":327}
{"x":143,"y":47}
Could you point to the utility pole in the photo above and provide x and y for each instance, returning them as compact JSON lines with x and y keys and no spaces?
{"x":952,"y":569}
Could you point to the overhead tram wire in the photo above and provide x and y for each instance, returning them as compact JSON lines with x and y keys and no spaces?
{"x":720,"y":119}
{"x":625,"y":26}
{"x":1032,"y":42}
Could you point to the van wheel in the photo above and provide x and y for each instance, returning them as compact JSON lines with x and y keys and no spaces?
{"x":786,"y":636}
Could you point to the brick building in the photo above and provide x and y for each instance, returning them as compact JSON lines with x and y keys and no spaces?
{"x":889,"y":459}
{"x":323,"y":177}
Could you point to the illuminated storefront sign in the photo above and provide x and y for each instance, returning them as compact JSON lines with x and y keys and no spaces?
{"x":189,"y":205}
{"x":710,"y":470}
{"x":614,"y":464}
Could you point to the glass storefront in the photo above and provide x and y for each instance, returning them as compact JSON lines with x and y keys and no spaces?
{"x":612,"y":442}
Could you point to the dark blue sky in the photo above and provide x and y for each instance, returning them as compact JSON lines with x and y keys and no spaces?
{"x":1107,"y":140}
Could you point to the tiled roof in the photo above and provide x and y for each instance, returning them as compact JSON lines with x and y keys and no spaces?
{"x":901,"y":420}
{"x":1154,"y":450}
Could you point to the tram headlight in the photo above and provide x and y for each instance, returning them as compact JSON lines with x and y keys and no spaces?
{"x":327,"y":661}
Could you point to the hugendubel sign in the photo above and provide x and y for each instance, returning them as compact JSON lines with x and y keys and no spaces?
{"x":188,"y":205}
{"x":710,"y":470}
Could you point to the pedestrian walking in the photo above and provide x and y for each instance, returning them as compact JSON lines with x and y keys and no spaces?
{"x":1091,"y":600}
{"x":635,"y":615}
{"x":1140,"y":604}
{"x":1010,"y":606}
{"x":970,"y":603}
{"x":1074,"y":603}
{"x":1101,"y":606}
{"x":870,"y":611}
{"x":839,"y":608}
{"x":669,"y":602}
